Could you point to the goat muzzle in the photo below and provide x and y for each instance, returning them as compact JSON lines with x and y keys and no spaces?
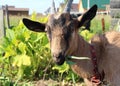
{"x":59,"y":58}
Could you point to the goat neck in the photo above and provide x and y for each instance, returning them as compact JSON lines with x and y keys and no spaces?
{"x":82,"y":49}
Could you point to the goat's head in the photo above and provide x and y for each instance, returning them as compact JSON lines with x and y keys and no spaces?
{"x":61,"y":31}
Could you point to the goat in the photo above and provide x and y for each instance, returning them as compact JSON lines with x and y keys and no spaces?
{"x":63,"y":34}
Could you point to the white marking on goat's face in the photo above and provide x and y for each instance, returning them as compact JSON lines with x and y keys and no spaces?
{"x":60,"y":31}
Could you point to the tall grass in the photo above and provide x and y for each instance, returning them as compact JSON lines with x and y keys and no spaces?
{"x":14,"y":20}
{"x":96,"y":23}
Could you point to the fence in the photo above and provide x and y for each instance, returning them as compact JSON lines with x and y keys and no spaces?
{"x":2,"y":23}
{"x":115,"y":13}
{"x":2,"y":28}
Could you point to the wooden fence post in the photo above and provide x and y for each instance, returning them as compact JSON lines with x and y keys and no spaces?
{"x":103,"y":24}
{"x":7,"y":16}
{"x":2,"y":28}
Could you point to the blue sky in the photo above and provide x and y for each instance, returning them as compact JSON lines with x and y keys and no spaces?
{"x":33,"y":5}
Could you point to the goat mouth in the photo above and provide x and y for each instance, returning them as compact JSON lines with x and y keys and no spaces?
{"x":60,"y":61}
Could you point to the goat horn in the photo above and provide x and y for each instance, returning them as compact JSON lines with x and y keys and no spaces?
{"x":68,"y":6}
{"x":53,"y":10}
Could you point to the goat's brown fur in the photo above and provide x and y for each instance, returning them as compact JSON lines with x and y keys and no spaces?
{"x":107,"y":49}
{"x":65,"y":40}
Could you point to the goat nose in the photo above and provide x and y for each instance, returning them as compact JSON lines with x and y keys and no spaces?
{"x":57,"y":55}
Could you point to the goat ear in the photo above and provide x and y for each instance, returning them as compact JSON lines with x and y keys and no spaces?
{"x":87,"y":16}
{"x":33,"y":25}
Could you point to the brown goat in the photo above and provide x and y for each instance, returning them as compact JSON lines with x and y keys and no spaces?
{"x":64,"y":38}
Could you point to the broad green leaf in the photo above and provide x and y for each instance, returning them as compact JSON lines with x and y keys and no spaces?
{"x":86,"y":34}
{"x":63,"y":68}
{"x":26,"y":35}
{"x":9,"y":51}
{"x":15,"y":42}
{"x":34,"y":37}
{"x":7,"y":54}
{"x":10,"y":34}
{"x":22,"y":60}
{"x":20,"y":24}
{"x":26,"y":60}
{"x":22,"y":47}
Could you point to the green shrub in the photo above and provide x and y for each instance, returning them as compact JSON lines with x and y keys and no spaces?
{"x":24,"y":54}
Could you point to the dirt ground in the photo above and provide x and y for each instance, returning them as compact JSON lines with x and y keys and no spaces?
{"x":55,"y":83}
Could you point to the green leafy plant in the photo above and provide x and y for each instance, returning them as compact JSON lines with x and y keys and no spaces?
{"x":86,"y":34}
{"x":23,"y":54}
{"x":65,"y":70}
